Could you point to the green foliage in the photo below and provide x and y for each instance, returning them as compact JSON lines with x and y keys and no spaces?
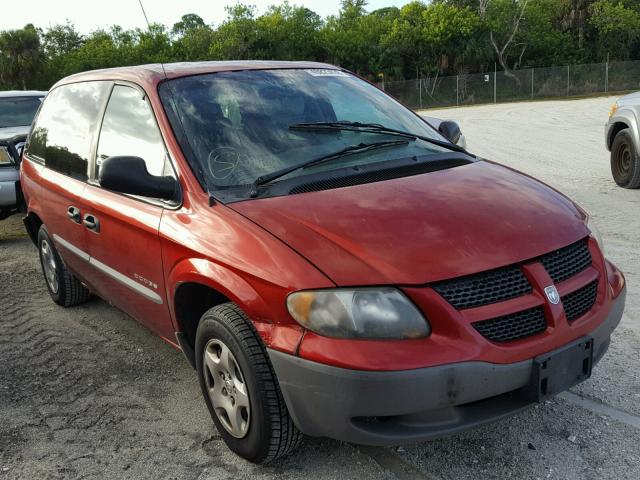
{"x":431,"y":37}
{"x":436,"y":37}
{"x":20,"y":56}
{"x":236,"y":37}
{"x":188,"y":23}
{"x":287,"y":32}
{"x":617,"y":24}
{"x":353,"y":38}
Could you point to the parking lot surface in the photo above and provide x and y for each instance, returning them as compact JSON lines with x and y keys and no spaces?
{"x":89,"y":393}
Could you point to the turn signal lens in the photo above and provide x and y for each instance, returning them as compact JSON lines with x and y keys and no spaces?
{"x":614,"y":109}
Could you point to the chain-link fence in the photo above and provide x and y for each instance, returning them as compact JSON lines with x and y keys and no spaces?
{"x":525,"y":84}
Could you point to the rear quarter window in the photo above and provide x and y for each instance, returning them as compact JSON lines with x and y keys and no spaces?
{"x":63,"y":132}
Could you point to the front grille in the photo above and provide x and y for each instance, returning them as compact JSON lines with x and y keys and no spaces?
{"x":484,"y":288}
{"x":581,"y":301}
{"x":513,"y":326}
{"x":567,"y":262}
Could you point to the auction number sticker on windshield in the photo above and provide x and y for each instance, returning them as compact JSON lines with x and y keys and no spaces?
{"x":325,"y":72}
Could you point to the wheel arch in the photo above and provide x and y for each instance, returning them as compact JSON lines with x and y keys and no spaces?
{"x":624,"y":118}
{"x":32,"y":223}
{"x":196,"y":285}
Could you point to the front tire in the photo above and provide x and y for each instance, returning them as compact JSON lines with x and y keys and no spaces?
{"x":625,"y":161}
{"x":240,"y":387}
{"x":65,"y":289}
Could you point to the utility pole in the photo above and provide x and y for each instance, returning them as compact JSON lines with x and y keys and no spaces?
{"x":568,"y":79}
{"x":457,"y":90}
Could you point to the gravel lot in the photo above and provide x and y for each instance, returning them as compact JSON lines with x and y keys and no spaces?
{"x":89,"y":393}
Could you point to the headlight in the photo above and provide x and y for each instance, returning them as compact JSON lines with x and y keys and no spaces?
{"x":358,"y":313}
{"x":596,"y":234}
{"x":614,"y":109}
{"x":5,"y":156}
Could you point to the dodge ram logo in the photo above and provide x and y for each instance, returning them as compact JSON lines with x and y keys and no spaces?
{"x":552,"y":294}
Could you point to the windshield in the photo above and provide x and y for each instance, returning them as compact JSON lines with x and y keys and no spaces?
{"x":239,"y":126}
{"x":18,"y":111}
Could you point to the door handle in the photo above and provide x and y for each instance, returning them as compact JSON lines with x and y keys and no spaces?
{"x":91,"y":222}
{"x":74,"y":214}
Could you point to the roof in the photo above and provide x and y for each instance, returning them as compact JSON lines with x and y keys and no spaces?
{"x":22,"y":93}
{"x":152,"y":74}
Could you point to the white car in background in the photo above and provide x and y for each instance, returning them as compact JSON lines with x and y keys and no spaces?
{"x":622,"y":139}
{"x":17,"y":109}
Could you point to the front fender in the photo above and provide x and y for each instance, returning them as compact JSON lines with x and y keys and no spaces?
{"x":270,"y":318}
{"x":626,"y":116}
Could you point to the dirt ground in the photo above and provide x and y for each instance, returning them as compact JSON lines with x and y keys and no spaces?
{"x":89,"y":393}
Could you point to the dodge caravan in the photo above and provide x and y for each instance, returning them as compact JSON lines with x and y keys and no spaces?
{"x":329,"y":263}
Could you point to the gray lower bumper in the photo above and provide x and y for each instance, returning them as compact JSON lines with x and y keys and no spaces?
{"x":390,"y":408}
{"x":7,"y":194}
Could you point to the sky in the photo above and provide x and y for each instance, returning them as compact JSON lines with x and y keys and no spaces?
{"x":88,"y":15}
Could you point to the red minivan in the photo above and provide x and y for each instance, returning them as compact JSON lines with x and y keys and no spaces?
{"x":327,"y":261}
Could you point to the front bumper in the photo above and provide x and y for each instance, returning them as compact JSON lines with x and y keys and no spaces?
{"x":8,"y":179}
{"x":390,"y":408}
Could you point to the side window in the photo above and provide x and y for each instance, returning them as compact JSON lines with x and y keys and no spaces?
{"x":129,"y":128}
{"x":63,"y":131}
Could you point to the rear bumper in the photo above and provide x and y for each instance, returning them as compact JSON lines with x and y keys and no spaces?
{"x":390,"y":408}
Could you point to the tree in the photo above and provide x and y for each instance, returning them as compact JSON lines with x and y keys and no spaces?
{"x":287,"y":32}
{"x":618,"y":26}
{"x":432,"y":38}
{"x":187,"y":23}
{"x":20,"y":56}
{"x":353,"y":38}
{"x":502,"y":19}
{"x":235,"y":38}
{"x":428,"y":37}
{"x":61,"y":39}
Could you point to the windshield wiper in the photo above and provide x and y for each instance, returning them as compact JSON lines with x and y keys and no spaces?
{"x":350,"y":150}
{"x":373,"y":128}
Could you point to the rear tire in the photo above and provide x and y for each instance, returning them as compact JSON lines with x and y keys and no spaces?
{"x":65,"y":289}
{"x":265,"y":430}
{"x":625,"y":161}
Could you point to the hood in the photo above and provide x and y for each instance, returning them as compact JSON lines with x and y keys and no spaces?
{"x":7,"y":133}
{"x":632,"y":98}
{"x":422,"y":228}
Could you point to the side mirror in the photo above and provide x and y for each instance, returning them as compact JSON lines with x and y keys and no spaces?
{"x":450,"y":130}
{"x":130,"y":175}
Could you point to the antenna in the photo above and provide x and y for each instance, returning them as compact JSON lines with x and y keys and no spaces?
{"x":149,"y":27}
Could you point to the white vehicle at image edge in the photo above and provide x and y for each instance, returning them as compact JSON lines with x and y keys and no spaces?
{"x":17,"y":109}
{"x":622,"y":139}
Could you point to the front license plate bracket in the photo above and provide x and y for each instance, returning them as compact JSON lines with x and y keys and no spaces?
{"x":557,"y":371}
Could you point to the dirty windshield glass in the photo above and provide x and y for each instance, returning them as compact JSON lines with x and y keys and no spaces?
{"x":238,"y":125}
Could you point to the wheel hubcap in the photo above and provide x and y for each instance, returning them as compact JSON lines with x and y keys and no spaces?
{"x":49,"y":266}
{"x":226,"y":388}
{"x":624,"y":159}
